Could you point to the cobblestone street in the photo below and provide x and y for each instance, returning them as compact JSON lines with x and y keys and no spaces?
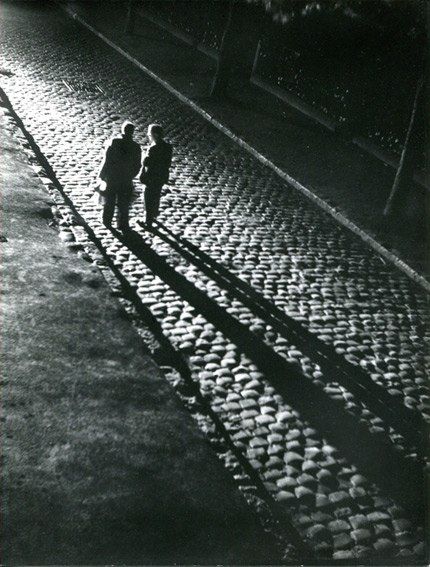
{"x":308,"y":347}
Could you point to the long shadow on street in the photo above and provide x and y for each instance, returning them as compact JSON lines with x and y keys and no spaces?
{"x":372,"y":453}
{"x":352,"y":377}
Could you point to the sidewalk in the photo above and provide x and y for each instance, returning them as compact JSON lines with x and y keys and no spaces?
{"x":102,"y":463}
{"x":353,"y":184}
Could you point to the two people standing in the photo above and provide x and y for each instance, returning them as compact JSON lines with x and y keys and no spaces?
{"x":122,"y":162}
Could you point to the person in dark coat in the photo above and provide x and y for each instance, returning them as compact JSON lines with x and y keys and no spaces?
{"x":122,"y":162}
{"x":155,"y":171}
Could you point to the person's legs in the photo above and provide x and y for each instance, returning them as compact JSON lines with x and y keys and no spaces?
{"x":124,"y":209}
{"x":109,"y":207}
{"x":157,"y":198}
{"x":152,"y":202}
{"x":149,"y":205}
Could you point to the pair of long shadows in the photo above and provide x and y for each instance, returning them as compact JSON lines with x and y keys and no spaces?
{"x":407,"y":422}
{"x":400,"y":477}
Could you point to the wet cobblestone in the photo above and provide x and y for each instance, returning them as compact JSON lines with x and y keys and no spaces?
{"x":225,"y":220}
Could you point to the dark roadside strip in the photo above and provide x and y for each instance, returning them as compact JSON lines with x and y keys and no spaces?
{"x":408,"y":423}
{"x":171,"y":357}
{"x":372,"y":453}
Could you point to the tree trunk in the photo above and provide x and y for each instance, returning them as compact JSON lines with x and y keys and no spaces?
{"x":405,"y":171}
{"x":239,"y":43}
{"x":226,"y":56}
{"x":130,"y":18}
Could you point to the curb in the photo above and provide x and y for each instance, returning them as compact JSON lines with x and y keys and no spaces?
{"x":296,"y":103}
{"x":333,"y":211}
{"x":183,"y":36}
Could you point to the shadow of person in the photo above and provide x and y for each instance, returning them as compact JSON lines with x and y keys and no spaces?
{"x":373,"y":454}
{"x":404,"y":420}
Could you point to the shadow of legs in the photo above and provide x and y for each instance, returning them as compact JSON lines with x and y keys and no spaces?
{"x":396,"y":475}
{"x":407,"y":422}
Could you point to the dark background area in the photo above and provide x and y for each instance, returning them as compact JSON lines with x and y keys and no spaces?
{"x":358,"y":62}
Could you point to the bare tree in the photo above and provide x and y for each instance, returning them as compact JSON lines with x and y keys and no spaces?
{"x":408,"y":158}
{"x":130,"y":19}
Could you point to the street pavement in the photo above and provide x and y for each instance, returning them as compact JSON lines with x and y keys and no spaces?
{"x":309,"y":349}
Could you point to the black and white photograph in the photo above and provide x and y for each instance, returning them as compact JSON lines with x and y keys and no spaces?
{"x":215,"y":283}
